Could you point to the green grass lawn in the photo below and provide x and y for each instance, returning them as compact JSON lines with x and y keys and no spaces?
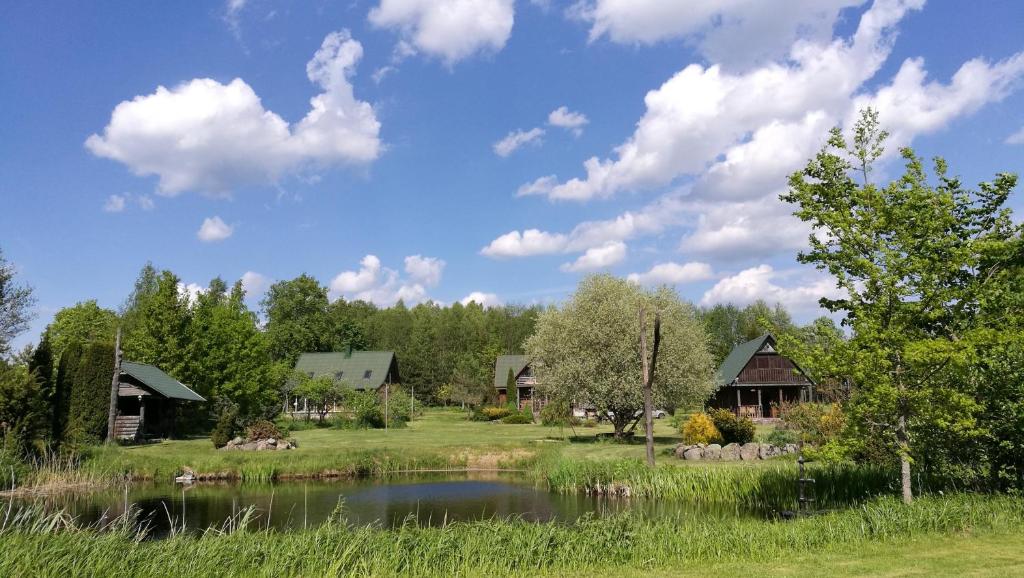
{"x":995,"y":555}
{"x":440,"y":438}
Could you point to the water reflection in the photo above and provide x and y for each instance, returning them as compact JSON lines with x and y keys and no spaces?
{"x":425,"y":500}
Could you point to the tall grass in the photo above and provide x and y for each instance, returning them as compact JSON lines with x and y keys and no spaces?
{"x":761,"y":486}
{"x":33,"y":546}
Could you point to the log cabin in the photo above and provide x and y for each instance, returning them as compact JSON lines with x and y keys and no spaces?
{"x":524,"y":393}
{"x":755,"y":379}
{"x":147,"y":400}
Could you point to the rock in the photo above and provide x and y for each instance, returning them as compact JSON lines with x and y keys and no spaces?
{"x":749,"y":451}
{"x":767,"y":451}
{"x":261,"y":445}
{"x":694,"y":453}
{"x":271,"y":442}
{"x":284,"y":445}
{"x":237,"y":441}
{"x":790,"y":449}
{"x":713,"y":452}
{"x":248,"y":446}
{"x":731,"y":451}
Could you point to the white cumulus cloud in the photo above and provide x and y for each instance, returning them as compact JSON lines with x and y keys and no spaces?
{"x":214,"y":229}
{"x":763,"y":282}
{"x":382,"y":286}
{"x":447,"y":29}
{"x":483,"y":299}
{"x":524,"y":244}
{"x":211,"y":137}
{"x":562,"y":117}
{"x":114,"y":204}
{"x":255,"y":284}
{"x":1016,"y":138}
{"x":673,"y":274}
{"x":426,"y":270}
{"x":600,"y":257}
{"x":516,"y":139}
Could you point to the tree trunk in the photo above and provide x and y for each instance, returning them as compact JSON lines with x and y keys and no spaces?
{"x":648,"y":379}
{"x":115,"y":383}
{"x":903,"y":439}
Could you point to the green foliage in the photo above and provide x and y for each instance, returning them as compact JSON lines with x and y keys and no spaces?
{"x":734,"y":429}
{"x":496,"y":413}
{"x":700,"y":429}
{"x":60,"y":401}
{"x":781,"y":437}
{"x":16,"y":303}
{"x":556,"y":414}
{"x":85,"y":323}
{"x":815,"y":423}
{"x":226,"y":428}
{"x":519,"y":417}
{"x":728,"y":325}
{"x":297,"y":318}
{"x":920,"y":266}
{"x":323,"y":393}
{"x":22,"y":416}
{"x":588,"y":350}
{"x":89,"y":405}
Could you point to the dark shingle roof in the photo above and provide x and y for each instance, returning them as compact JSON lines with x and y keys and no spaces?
{"x":159,"y":381}
{"x":737,"y":359}
{"x":517,"y":363}
{"x":349,"y":367}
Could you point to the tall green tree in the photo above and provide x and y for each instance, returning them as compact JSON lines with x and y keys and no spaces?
{"x":912,"y":260}
{"x":90,"y":395}
{"x":588,"y":351}
{"x":16,"y":302}
{"x":297,"y":318}
{"x":85,"y":323}
{"x":728,"y":325}
{"x":156,"y":321}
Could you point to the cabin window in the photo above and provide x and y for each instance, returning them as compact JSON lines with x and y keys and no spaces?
{"x":367,"y":374}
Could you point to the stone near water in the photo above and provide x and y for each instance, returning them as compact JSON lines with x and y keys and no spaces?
{"x":713,"y":452}
{"x":731,"y":451}
{"x":749,"y":451}
{"x":694,"y":453}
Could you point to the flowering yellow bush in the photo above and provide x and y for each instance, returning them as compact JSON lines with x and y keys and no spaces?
{"x":700,"y":429}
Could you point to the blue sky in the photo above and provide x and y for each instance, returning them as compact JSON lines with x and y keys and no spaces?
{"x":420,"y":150}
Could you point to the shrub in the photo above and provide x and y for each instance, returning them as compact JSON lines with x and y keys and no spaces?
{"x":261,"y":430}
{"x":817,"y":423}
{"x":590,"y":422}
{"x":734,"y":429}
{"x":226,"y":427}
{"x":478,"y":415}
{"x":89,"y":404}
{"x":495,"y":413}
{"x":518,"y":418}
{"x":700,"y":429}
{"x":781,"y":437}
{"x":555,"y":414}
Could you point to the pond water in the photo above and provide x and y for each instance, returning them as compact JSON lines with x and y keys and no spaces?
{"x":290,"y":505}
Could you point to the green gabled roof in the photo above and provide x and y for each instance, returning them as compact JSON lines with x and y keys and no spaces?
{"x":517,"y":363}
{"x":349,"y":367}
{"x":155,"y":379}
{"x":739,"y":357}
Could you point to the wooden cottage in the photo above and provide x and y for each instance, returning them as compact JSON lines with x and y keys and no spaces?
{"x":524,"y":392}
{"x":147,"y":400}
{"x":360,"y":370}
{"x":755,"y":379}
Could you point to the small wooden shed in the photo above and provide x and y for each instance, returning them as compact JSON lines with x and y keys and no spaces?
{"x":147,"y":399}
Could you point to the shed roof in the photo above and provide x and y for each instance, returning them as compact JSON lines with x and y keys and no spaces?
{"x":154,"y":378}
{"x":517,"y":363}
{"x":349,"y":367}
{"x":738,"y":358}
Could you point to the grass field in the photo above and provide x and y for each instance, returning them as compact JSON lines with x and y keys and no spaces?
{"x":939,"y":536}
{"x":440,"y":439}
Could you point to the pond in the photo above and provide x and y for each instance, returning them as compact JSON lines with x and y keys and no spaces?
{"x":428,"y":500}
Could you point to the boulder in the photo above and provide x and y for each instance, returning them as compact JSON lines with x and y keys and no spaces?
{"x":790,"y":449}
{"x":284,"y":445}
{"x":694,"y":453}
{"x":236,"y":442}
{"x":749,"y":451}
{"x":271,"y":442}
{"x":767,"y":451}
{"x":713,"y":452}
{"x":249,"y":446}
{"x":731,"y":451}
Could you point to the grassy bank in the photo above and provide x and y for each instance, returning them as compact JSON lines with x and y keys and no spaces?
{"x":768,"y":485}
{"x":440,"y":439}
{"x":672,"y":546}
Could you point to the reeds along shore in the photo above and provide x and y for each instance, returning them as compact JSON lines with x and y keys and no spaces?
{"x":35,"y":543}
